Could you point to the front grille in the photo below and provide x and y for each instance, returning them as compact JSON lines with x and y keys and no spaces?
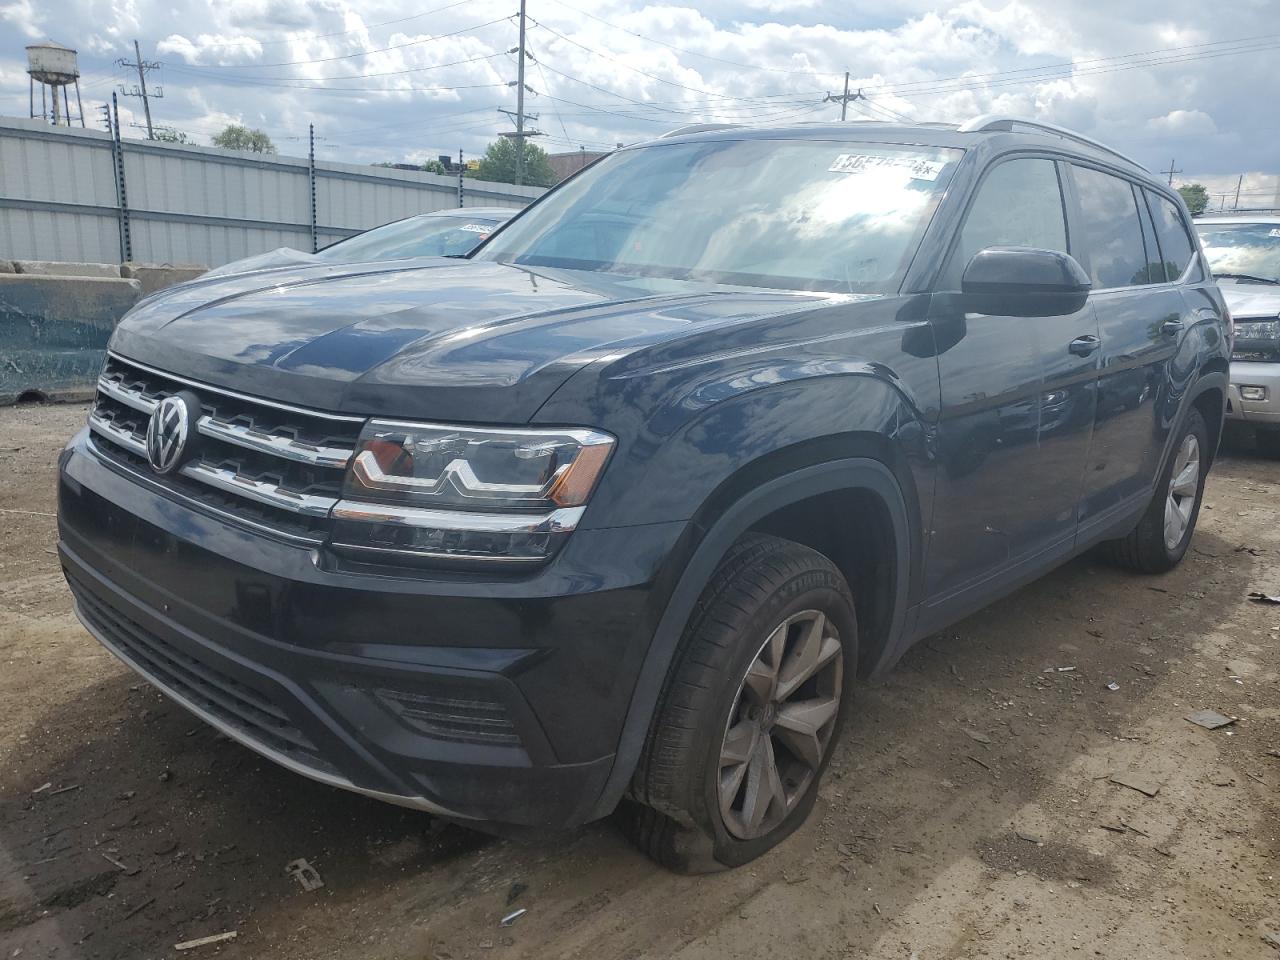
{"x":239,"y":706}
{"x":273,"y":465}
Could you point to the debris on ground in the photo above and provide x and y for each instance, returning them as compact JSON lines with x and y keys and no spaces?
{"x":124,"y":868}
{"x":305,"y":874}
{"x":513,"y":894}
{"x":512,"y":917}
{"x":207,"y":941}
{"x":1264,"y":598}
{"x":1136,"y":781}
{"x":42,"y":788}
{"x":977,"y":737}
{"x":1271,"y":940}
{"x":1210,"y":719}
{"x":1029,"y":837}
{"x":1113,"y":686}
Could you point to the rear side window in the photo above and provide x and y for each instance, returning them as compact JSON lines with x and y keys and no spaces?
{"x":1018,"y":205}
{"x":1110,"y":229}
{"x":1175,"y":243}
{"x":1155,"y":268}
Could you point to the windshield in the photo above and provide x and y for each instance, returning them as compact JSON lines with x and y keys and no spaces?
{"x":414,"y":237}
{"x":1250,"y":249}
{"x":802,"y":215}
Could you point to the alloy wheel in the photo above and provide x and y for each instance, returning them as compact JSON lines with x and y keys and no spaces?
{"x":1184,"y":484}
{"x":780,"y":725}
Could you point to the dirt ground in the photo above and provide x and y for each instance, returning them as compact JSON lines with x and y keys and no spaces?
{"x":972,"y":810}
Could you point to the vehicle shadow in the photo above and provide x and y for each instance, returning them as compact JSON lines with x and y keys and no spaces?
{"x":156,"y":829}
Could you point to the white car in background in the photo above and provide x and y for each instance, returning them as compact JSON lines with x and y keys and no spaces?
{"x":1244,"y":254}
{"x":443,"y":233}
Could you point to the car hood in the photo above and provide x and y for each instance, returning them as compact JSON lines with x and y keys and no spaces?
{"x":462,"y":340}
{"x":1248,"y":301}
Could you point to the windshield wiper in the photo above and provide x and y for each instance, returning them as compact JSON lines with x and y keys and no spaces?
{"x":1246,"y":276}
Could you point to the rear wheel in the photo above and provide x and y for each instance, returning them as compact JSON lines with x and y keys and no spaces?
{"x":1162,"y":536}
{"x":751,"y":712}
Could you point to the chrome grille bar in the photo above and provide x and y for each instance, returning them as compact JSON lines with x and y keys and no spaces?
{"x":315,"y":455}
{"x":270,"y":494}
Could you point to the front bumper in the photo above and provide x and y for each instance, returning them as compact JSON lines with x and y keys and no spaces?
{"x":1255,"y":373}
{"x":491,"y":698}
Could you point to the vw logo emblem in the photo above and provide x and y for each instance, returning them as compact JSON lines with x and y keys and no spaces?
{"x":169,"y":431}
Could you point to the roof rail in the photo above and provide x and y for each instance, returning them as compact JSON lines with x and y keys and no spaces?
{"x":698,"y":128}
{"x":995,"y":121}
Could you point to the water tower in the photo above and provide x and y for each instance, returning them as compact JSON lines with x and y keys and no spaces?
{"x":53,"y":66}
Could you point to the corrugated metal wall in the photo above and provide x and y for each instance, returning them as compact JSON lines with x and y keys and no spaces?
{"x":196,"y":204}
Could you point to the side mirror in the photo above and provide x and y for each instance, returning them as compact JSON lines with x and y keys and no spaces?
{"x":1024,"y":282}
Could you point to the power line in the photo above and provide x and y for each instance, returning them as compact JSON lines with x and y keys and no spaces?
{"x":694,"y":53}
{"x":326,"y":36}
{"x":362,"y":53}
{"x":651,"y":76}
{"x":200,"y":72}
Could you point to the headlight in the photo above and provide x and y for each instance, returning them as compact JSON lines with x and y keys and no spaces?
{"x":465,"y":493}
{"x":1258,"y":329}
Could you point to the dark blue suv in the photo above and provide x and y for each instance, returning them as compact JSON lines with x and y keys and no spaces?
{"x":618,"y":510}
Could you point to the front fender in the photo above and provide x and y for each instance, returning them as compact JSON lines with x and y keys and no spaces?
{"x":711,"y":546}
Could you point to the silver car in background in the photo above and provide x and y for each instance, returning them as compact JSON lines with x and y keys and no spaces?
{"x":1244,"y":254}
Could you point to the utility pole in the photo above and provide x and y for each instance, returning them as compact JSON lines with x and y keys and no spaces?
{"x":143,"y":67}
{"x":1239,"y":183}
{"x":520,"y":105}
{"x":520,"y":133}
{"x":845,"y":98}
{"x":1171,"y":172}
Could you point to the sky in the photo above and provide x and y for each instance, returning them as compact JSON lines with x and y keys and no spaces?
{"x":382,"y":81}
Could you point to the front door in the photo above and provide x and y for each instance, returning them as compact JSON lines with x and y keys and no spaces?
{"x":1017,"y":400}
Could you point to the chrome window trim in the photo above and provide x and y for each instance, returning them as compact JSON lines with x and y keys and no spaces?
{"x":244,"y":397}
{"x":562,"y":520}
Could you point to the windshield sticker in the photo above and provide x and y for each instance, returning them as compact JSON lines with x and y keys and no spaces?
{"x":917,"y":167}
{"x":475,"y":227}
{"x":1274,"y":233}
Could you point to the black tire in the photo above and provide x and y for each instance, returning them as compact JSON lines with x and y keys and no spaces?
{"x":1146,"y":549}
{"x":1268,"y":443}
{"x":674,"y":811}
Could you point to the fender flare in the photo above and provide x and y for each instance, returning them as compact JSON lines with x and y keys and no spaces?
{"x":1209,"y":380}
{"x":845,"y":474}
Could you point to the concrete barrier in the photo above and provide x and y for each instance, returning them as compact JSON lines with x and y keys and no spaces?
{"x":155,"y":277}
{"x":63,"y":268}
{"x":54,"y":332}
{"x":6,"y":266}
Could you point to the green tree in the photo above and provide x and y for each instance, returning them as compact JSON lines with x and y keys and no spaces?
{"x":1196,"y":196}
{"x":236,"y":137}
{"x":172,"y":135}
{"x":499,"y":163}
{"x":434,"y":166}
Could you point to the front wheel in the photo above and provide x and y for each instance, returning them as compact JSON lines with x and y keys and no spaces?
{"x":1163,"y":534}
{"x":751,"y":712}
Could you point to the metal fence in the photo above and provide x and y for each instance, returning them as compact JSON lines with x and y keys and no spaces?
{"x":75,"y":194}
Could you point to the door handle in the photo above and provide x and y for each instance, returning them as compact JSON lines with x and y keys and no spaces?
{"x":1171,"y":328}
{"x":1084,"y":346}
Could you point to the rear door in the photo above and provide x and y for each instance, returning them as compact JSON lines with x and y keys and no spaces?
{"x":1017,"y":398}
{"x":1141,"y":315}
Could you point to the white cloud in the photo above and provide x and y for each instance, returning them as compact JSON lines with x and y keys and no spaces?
{"x":753,"y":60}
